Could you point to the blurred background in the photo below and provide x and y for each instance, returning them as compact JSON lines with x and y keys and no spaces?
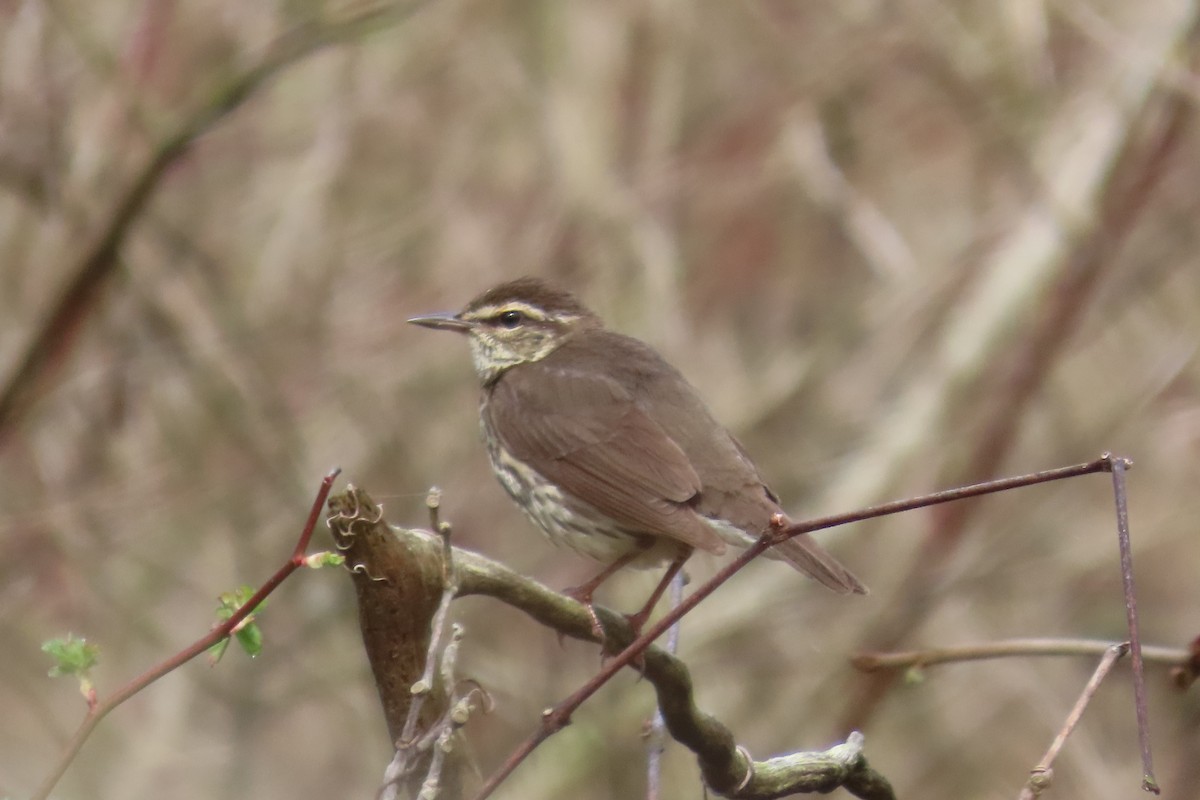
{"x":898,"y":246}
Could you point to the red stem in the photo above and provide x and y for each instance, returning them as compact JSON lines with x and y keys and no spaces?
{"x":99,"y":710}
{"x":558,"y":717}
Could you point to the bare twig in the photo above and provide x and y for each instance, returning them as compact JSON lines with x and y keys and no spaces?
{"x":1041,"y":775}
{"x":102,"y":707}
{"x":1138,"y":162}
{"x":656,"y":733}
{"x":557,"y":718}
{"x":449,"y":587}
{"x":410,"y":742}
{"x":1102,"y":464}
{"x":456,"y":716}
{"x":1135,"y":640}
{"x":721,"y":762}
{"x":1007,"y":648}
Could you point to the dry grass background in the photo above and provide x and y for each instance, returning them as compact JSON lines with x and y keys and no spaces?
{"x":844,"y":221}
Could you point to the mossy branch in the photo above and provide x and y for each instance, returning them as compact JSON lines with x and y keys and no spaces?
{"x":726,"y":767}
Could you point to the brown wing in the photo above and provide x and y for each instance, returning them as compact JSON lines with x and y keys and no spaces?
{"x":731,"y":488}
{"x":583,"y":431}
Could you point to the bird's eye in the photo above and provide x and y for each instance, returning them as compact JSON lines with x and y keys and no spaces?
{"x":510,"y":319}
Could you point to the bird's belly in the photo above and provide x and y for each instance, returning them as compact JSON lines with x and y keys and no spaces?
{"x":567,"y":521}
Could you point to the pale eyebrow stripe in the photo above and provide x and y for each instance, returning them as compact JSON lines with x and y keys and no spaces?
{"x":487,"y":312}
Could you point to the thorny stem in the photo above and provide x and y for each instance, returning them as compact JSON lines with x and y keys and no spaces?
{"x":558,"y":717}
{"x":100,"y":709}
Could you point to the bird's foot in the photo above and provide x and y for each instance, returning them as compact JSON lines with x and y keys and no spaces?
{"x":609,"y":648}
{"x":637,"y":621}
{"x":583,"y":594}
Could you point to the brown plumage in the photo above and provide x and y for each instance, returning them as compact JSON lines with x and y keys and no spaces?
{"x":605,"y":445}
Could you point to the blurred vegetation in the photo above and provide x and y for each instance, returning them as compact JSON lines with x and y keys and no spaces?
{"x":899,"y":246}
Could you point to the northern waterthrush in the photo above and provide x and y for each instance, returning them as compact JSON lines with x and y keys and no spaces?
{"x":607,"y":447}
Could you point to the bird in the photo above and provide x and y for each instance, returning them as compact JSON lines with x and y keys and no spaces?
{"x":607,"y":447}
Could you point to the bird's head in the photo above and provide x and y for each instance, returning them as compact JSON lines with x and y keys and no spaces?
{"x":514,"y":323}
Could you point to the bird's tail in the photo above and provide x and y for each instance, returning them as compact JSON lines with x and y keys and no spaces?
{"x":803,"y":553}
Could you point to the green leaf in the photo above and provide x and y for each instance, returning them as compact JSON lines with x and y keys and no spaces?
{"x":251,"y":639}
{"x":71,"y":656}
{"x":228,"y":603}
{"x":248,"y":634}
{"x":324,"y":559}
{"x":217,"y":651}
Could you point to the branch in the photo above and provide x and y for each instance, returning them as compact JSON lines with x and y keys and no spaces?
{"x":726,"y":767}
{"x":1102,"y":464}
{"x":1149,"y":782}
{"x":400,"y":588}
{"x":1123,"y":177}
{"x":1041,"y":776}
{"x":100,"y":709}
{"x":1176,"y":657}
{"x":555,"y":719}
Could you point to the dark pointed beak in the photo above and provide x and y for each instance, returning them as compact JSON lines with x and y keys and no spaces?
{"x":442,"y":322}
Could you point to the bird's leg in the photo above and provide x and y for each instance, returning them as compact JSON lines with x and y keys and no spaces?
{"x":583,"y":592}
{"x":638,"y":620}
